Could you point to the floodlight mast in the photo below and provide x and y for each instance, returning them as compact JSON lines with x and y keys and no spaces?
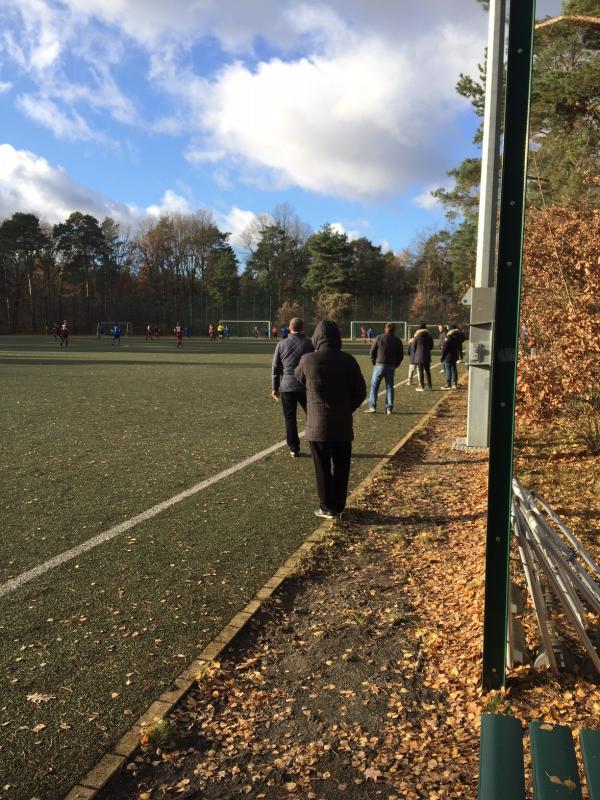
{"x":482,"y":293}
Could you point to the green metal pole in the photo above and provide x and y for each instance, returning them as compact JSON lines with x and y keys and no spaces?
{"x":504,"y":349}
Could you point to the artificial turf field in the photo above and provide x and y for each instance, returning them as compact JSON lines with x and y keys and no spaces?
{"x":91,"y":436}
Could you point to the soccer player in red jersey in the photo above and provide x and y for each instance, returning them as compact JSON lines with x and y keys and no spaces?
{"x":179,"y":335}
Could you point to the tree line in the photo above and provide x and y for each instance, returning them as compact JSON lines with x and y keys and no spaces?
{"x":183,"y":267}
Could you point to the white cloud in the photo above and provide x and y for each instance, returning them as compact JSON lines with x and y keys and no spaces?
{"x":237,"y":222}
{"x":44,"y":39}
{"x":171,"y":203}
{"x":63,"y":125}
{"x":355,"y":123}
{"x":30,"y":183}
{"x":366,"y":112}
{"x":426,"y":200}
{"x":5,"y":86}
{"x":338,"y":227}
{"x":197,"y":156}
{"x":170,"y":125}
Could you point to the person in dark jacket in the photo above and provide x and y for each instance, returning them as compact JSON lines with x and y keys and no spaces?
{"x":462,"y":338}
{"x":422,"y":346}
{"x":335,"y":388}
{"x":386,"y":354}
{"x":412,"y":367}
{"x":286,"y":388}
{"x":451,"y":355}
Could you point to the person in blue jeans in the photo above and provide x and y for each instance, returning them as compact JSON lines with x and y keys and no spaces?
{"x":450,"y":356}
{"x":386,"y":354}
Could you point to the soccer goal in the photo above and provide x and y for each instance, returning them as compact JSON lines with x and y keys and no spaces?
{"x":248,"y":328}
{"x":433,"y":330}
{"x":105,"y":328}
{"x":376,"y":326}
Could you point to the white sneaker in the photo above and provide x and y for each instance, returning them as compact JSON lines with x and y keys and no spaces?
{"x":388,"y":411}
{"x":370,"y":411}
{"x":419,"y":389}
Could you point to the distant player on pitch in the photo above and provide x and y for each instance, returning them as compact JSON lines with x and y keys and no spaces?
{"x":179,"y":335}
{"x":64,"y":334}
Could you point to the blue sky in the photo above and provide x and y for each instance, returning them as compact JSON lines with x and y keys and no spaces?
{"x":343,"y":109}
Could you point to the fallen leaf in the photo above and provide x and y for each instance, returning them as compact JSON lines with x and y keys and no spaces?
{"x":372,"y":773}
{"x":39,"y":697}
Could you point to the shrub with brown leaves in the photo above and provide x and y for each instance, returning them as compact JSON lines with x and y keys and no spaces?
{"x":560,"y":322}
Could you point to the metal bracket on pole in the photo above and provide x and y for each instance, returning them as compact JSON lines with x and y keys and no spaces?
{"x":504,"y":349}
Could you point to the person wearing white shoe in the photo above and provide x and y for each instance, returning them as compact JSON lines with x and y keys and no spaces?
{"x":285,"y":387}
{"x":386,"y":354}
{"x":335,"y":388}
{"x":423,"y":345}
{"x":412,"y":367}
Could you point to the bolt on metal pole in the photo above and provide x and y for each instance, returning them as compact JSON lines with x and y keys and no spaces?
{"x":505,"y":340}
{"x":478,"y":412}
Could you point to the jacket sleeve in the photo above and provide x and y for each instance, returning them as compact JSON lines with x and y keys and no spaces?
{"x":373,"y":351}
{"x":299,"y":373}
{"x":277,"y":369}
{"x":400,"y":354}
{"x":358,"y":387}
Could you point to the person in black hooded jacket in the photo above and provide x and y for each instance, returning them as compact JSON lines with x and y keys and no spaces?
{"x":335,"y":388}
{"x":422,"y":347}
{"x":451,"y":355}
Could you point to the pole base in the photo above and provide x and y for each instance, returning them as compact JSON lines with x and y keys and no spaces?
{"x":461,"y":444}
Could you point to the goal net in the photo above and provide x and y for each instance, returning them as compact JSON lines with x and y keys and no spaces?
{"x":248,"y":328}
{"x":376,"y":326}
{"x":106,"y":328}
{"x":433,"y":330}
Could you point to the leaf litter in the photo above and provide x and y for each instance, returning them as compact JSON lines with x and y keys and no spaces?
{"x":361,"y":677}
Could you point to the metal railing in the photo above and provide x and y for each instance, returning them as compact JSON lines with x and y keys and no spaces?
{"x":558,"y":569}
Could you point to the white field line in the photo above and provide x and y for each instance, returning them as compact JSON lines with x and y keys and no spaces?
{"x":111,"y":533}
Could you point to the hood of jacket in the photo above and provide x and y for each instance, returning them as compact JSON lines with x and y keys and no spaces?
{"x":420,"y":332}
{"x":327,"y":334}
{"x":453,"y":332}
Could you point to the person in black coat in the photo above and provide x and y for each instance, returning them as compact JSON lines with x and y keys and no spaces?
{"x":335,"y":388}
{"x":386,"y":354}
{"x":422,"y":347}
{"x":450,"y":356}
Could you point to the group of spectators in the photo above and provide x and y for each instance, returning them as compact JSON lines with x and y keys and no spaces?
{"x":420,"y":346}
{"x":329,"y":386}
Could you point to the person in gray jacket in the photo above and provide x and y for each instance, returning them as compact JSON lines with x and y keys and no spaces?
{"x":285,"y":387}
{"x":335,"y":388}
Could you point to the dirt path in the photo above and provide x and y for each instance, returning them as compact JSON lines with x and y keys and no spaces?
{"x":361,"y":680}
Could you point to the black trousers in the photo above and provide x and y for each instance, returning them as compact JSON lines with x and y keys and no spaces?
{"x":332,"y":471}
{"x":289,"y":403}
{"x":424,"y":372}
